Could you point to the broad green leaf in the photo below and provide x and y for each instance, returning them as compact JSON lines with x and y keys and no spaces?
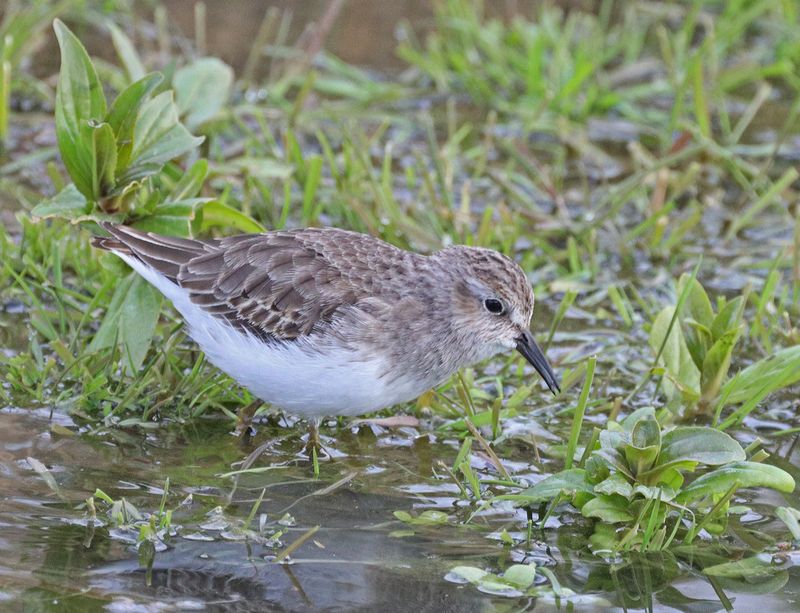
{"x":717,"y":362}
{"x":157,"y":138}
{"x":521,"y":576}
{"x":645,"y":441}
{"x":79,"y":103}
{"x":640,"y":459}
{"x":675,"y":357}
{"x":494,"y":585}
{"x":105,"y":160}
{"x":697,"y":305}
{"x":597,"y":468}
{"x":130,"y":320}
{"x":201,"y":90}
{"x":567,"y":481}
{"x":217,"y":214}
{"x":729,"y":317}
{"x":698,"y":340}
{"x":191,"y":182}
{"x":124,"y":112}
{"x":127,"y":53}
{"x":671,"y":476}
{"x":697,"y":308}
{"x":604,"y":537}
{"x":646,"y":433}
{"x":616,"y":460}
{"x":667,"y":474}
{"x":69,"y":203}
{"x":741,"y":474}
{"x":655,"y":492}
{"x":183,"y":218}
{"x":790,"y":517}
{"x":610,"y":509}
{"x":698,"y":444}
{"x":615,"y":484}
{"x":756,"y":567}
{"x":470,"y":574}
{"x":613,"y":439}
{"x":630,"y":421}
{"x":426,"y":518}
{"x":123,"y":512}
{"x":778,"y":370}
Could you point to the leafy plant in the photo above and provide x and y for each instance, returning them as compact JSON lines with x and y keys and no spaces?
{"x":108,"y":152}
{"x":517,"y":580}
{"x":694,"y":345}
{"x":633,"y":482}
{"x":118,"y":158}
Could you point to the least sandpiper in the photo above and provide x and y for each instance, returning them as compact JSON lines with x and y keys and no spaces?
{"x":322,"y":321}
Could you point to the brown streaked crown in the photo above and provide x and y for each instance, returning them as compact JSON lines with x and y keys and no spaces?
{"x":501,"y":274}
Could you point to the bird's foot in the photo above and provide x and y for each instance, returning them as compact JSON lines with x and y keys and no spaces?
{"x":244,"y":420}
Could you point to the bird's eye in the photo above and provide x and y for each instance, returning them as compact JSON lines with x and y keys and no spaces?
{"x":494,"y":306}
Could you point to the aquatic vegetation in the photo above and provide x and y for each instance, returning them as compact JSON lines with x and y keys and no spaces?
{"x":515,"y":581}
{"x":632,"y":479}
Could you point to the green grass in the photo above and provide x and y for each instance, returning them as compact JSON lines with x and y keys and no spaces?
{"x":577,"y":215}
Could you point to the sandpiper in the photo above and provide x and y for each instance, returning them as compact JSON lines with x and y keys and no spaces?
{"x":323,"y":321}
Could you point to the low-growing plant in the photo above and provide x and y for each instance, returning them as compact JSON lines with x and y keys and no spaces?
{"x":515,"y":581}
{"x":148,"y":532}
{"x":119,"y":160}
{"x":633,"y":483}
{"x":694,"y":345}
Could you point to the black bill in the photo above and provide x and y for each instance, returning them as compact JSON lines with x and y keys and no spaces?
{"x":528,"y":347}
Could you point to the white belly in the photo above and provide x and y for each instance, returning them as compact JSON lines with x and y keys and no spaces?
{"x":293,"y":375}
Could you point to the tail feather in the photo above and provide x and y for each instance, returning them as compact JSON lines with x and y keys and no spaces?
{"x":164,"y":254}
{"x":109,"y":243}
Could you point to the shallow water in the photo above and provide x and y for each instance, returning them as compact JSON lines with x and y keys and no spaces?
{"x":361,"y":558}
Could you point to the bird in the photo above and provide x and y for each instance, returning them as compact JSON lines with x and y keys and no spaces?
{"x":324,"y":322}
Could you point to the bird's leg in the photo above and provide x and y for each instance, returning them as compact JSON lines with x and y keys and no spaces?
{"x":313,"y":447}
{"x":313,"y":444}
{"x":245,"y":419}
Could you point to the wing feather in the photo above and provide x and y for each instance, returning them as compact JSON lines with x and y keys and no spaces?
{"x":277,"y":285}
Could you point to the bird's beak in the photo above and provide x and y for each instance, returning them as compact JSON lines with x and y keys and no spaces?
{"x":527,"y":346}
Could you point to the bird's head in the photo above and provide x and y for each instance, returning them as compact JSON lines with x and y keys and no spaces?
{"x":493,"y":304}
